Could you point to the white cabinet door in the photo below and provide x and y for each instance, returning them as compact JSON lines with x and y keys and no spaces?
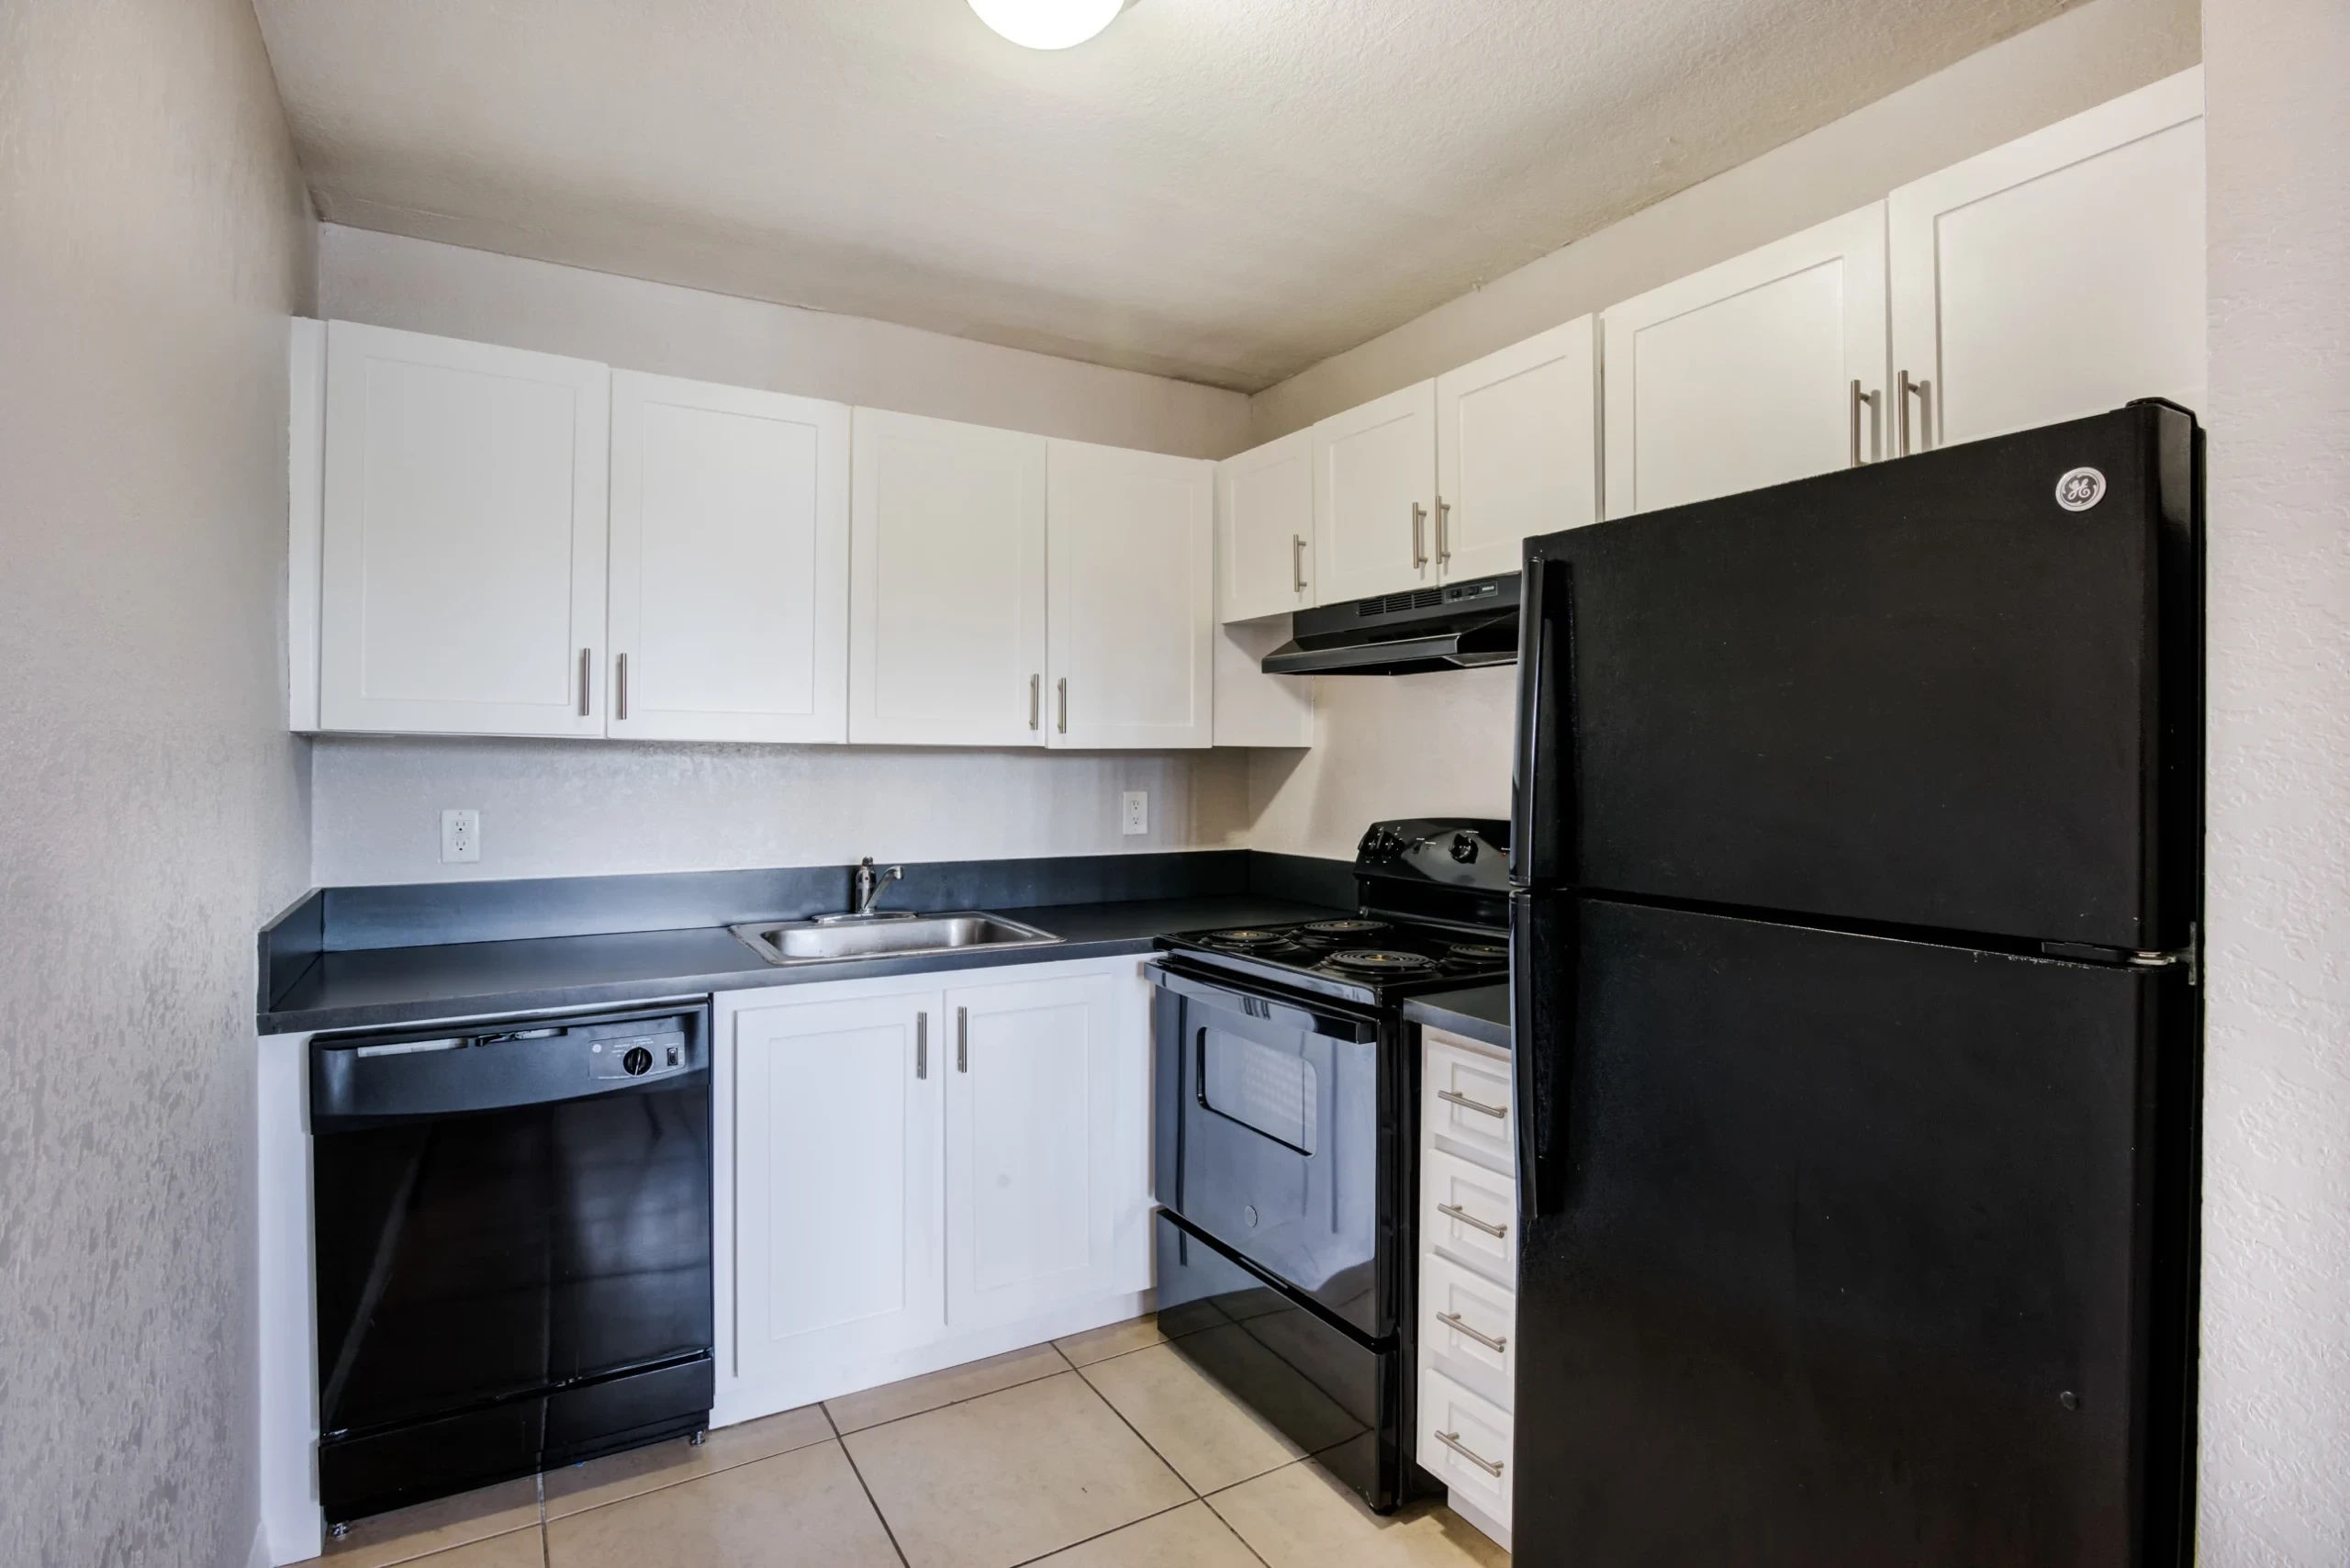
{"x":947,"y":584}
{"x":1374,"y":497}
{"x":729,"y":608}
{"x":1040,"y":1163}
{"x":1132,"y":600}
{"x":837,"y":1136}
{"x":1516,"y":449}
{"x":462,"y":581}
{"x":2059,"y":276}
{"x":1265,"y":529}
{"x":1743,"y":374}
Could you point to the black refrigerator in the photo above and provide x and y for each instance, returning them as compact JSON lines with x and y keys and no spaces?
{"x":1857,"y":870}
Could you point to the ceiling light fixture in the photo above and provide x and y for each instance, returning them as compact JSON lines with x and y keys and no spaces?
{"x":1049,"y":24}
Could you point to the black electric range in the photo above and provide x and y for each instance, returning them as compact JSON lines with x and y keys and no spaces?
{"x":1286,"y":1170}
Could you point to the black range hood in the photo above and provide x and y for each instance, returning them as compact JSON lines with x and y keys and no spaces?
{"x":1458,"y":626}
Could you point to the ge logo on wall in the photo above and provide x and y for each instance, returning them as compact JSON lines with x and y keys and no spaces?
{"x":2080,"y":489}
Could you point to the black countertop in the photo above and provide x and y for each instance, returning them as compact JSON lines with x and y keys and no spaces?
{"x":386,"y":987}
{"x":1480,"y":1012}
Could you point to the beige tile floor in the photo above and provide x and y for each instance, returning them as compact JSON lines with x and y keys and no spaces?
{"x":1104,"y":1451}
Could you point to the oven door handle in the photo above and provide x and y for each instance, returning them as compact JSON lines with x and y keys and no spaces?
{"x":1268,"y":1008}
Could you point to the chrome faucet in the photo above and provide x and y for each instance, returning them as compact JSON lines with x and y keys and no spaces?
{"x":869,"y":884}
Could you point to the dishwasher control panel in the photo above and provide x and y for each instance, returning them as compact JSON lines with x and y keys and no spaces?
{"x":637,"y":1056}
{"x":511,"y":1062}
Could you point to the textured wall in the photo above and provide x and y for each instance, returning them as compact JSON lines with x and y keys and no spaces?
{"x":557,"y":808}
{"x":391,"y":281}
{"x":152,"y":239}
{"x":2080,"y":59}
{"x":2276,"y":1451}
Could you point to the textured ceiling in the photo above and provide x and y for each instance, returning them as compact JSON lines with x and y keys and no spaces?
{"x":1223,"y":190}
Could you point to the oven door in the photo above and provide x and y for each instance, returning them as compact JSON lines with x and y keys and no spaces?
{"x":1268,"y":1138}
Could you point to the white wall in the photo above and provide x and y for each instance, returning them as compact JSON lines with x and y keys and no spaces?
{"x":153,"y":237}
{"x":1440,"y":744}
{"x":584,"y":810}
{"x":555,"y":808}
{"x":392,"y":281}
{"x":2082,"y":58}
{"x":2276,"y":1393}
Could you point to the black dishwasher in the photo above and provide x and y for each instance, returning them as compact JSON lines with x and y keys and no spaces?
{"x":513,"y":1249}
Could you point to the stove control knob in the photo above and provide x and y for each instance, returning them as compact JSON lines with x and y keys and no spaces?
{"x":1464,"y":848}
{"x":1381,"y":845}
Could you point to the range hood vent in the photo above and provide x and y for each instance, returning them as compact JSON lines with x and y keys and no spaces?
{"x":1458,"y":626}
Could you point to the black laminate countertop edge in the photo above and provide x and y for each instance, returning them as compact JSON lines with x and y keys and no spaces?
{"x":387,"y":987}
{"x":1480,"y":1012}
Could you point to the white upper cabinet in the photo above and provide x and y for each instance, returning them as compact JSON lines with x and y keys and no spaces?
{"x":462,"y":517}
{"x":1043,"y":1152}
{"x":1745,"y":375}
{"x":1374,"y":497}
{"x":2059,"y":276}
{"x":1265,"y":529}
{"x":1131,"y":557}
{"x":837,"y":1132}
{"x":729,"y":608}
{"x":1516,"y":449}
{"x":947,"y":584}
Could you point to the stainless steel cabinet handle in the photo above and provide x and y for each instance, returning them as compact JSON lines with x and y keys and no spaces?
{"x":620,"y":687}
{"x":1420,"y":536}
{"x":587,"y":669}
{"x":1862,"y":453}
{"x":1443,"y":530}
{"x":921,"y":1049}
{"x":1452,"y":1320}
{"x":962,"y":1039}
{"x":1063,"y":724}
{"x":1452,"y":1440}
{"x":1903,"y":390}
{"x":1468,"y":1104}
{"x":1454,"y":1211}
{"x":1035,"y":700}
{"x":1297,"y":562}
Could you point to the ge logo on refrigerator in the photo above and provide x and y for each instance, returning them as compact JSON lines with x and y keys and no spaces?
{"x":2080,"y":489}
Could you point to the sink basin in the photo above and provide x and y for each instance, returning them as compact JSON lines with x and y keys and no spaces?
{"x":898,"y":936}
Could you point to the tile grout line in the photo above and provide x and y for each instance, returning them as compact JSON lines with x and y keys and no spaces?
{"x":1178,"y":1475}
{"x":949,"y":1405}
{"x":1072,"y":1546}
{"x":870,"y":1500}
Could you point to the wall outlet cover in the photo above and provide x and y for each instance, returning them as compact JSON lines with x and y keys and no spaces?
{"x":460,"y":837}
{"x":1138,"y":812}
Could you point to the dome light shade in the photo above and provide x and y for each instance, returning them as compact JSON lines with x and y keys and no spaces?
{"x":1049,"y":24}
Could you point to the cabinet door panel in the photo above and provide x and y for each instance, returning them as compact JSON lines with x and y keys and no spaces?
{"x":1265,"y":530}
{"x":1034,"y":1167}
{"x":2059,"y":276}
{"x":946,"y":622}
{"x":1517,"y":449}
{"x":1131,"y":557}
{"x":462,"y":587}
{"x":1374,"y":497}
{"x":730,"y":563}
{"x":1741,"y":375}
{"x":836,"y":1208}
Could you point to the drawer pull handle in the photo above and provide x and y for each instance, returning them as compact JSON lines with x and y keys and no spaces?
{"x":1468,"y":1104}
{"x":1452,"y":1320}
{"x":1454,"y":1211}
{"x":1452,"y":1440}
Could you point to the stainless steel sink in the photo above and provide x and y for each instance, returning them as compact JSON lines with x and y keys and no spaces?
{"x":884,"y":936}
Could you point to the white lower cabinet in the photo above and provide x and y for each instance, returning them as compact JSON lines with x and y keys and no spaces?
{"x":912,"y":1173}
{"x":1468,"y":1292}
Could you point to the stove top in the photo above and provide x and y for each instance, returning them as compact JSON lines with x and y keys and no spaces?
{"x":1369,"y":957}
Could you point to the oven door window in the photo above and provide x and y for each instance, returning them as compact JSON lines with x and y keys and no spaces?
{"x":1266,"y":1088}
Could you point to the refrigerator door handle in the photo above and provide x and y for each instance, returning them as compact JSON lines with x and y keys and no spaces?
{"x":1538,"y":1034}
{"x":1534,"y":803}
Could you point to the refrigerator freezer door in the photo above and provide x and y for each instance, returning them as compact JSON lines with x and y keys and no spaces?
{"x":1854,"y":1260}
{"x":1929,"y":693}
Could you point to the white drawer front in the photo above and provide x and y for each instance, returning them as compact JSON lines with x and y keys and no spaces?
{"x":1465,"y":1103}
{"x":1470,"y":1214}
{"x":1464,"y":1440}
{"x":1462,"y":1316}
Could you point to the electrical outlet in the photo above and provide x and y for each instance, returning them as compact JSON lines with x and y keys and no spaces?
{"x":1138,"y":817}
{"x":460,"y":837}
